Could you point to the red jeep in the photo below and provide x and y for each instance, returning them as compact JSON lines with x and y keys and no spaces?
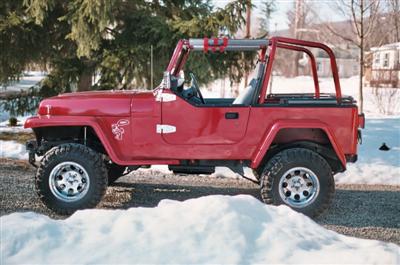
{"x":294,"y":143}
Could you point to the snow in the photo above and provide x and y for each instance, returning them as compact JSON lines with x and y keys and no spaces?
{"x":378,"y":103}
{"x":12,"y":149}
{"x":373,"y":166}
{"x":382,"y":112}
{"x":4,"y":125}
{"x":29,"y":79}
{"x":212,"y":229}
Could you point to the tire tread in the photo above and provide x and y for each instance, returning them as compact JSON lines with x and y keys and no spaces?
{"x":284,"y":157}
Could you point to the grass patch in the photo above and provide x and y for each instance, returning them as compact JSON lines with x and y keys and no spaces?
{"x":20,"y":137}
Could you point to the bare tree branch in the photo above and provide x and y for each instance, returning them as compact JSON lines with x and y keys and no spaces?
{"x":354,"y":15}
{"x":342,"y":36}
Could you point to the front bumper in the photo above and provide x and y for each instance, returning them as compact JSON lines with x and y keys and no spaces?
{"x":31,"y":147}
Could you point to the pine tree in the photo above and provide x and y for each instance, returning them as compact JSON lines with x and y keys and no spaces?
{"x":77,"y":39}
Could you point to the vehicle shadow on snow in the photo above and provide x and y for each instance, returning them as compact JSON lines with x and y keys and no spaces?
{"x":351,"y":208}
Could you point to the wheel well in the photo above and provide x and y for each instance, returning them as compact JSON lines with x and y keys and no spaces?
{"x":48,"y":137}
{"x":313,"y":139}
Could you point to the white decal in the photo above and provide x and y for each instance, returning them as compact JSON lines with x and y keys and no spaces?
{"x":117,"y":129}
{"x":48,"y":107}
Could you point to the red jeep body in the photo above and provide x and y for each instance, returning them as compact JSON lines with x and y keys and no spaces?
{"x":162,"y":127}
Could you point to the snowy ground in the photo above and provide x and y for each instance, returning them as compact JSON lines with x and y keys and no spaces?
{"x":29,"y":79}
{"x":212,"y":229}
{"x":378,"y":103}
{"x":12,"y":149}
{"x":373,"y":167}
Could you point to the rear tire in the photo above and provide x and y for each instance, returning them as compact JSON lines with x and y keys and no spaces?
{"x":71,"y":177}
{"x":299,"y":178}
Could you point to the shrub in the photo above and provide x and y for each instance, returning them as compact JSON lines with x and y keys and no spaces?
{"x":12,"y":121}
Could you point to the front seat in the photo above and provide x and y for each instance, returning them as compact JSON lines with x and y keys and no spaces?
{"x":246,"y":97}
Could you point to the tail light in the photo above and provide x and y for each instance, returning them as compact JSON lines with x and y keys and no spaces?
{"x":361,"y":121}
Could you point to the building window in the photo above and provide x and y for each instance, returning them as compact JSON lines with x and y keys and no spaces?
{"x":377,"y":59}
{"x":398,"y":59}
{"x":386,"y":60}
{"x":318,"y":66}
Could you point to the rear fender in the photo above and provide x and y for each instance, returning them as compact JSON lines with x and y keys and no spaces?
{"x":295,"y":124}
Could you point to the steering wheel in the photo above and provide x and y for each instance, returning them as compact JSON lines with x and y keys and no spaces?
{"x":196,"y":87}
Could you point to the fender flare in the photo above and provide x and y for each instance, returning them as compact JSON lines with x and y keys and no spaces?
{"x":55,"y":121}
{"x":269,"y":136}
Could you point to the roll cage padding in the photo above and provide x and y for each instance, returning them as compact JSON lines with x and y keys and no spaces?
{"x":225,"y":44}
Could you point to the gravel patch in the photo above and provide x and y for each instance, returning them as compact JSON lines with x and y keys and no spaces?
{"x":365,"y":211}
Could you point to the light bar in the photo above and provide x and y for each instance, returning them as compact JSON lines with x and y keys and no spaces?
{"x":225,"y":44}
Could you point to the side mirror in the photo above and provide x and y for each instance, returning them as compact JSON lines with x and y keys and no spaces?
{"x":167,"y":80}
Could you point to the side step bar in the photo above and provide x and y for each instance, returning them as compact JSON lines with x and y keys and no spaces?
{"x":185,"y":169}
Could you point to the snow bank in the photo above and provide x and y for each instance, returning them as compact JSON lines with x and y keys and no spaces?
{"x":375,"y":166}
{"x":212,"y":230}
{"x":12,"y":149}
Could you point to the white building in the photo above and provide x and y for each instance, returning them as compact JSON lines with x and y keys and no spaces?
{"x":346,"y":61}
{"x":385,"y":70}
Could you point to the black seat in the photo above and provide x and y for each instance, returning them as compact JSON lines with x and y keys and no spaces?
{"x":246,"y":97}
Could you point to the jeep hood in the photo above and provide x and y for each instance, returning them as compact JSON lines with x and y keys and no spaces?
{"x":92,"y":103}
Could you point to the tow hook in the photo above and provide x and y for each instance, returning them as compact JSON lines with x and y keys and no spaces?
{"x":31,"y":147}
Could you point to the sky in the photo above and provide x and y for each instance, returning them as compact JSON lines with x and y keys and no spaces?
{"x":279,"y":18}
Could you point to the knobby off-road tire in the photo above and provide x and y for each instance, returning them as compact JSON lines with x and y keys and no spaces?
{"x":114,"y":172}
{"x":71,"y":177}
{"x":294,"y":173}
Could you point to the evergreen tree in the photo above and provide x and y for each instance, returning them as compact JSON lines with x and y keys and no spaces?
{"x":77,"y":39}
{"x":268,"y":7}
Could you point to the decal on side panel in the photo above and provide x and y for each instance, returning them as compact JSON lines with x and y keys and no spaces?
{"x":117,"y":129}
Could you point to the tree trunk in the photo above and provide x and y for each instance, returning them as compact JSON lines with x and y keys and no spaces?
{"x":298,"y":25}
{"x":85,"y":80}
{"x":360,"y":91}
{"x":248,"y":35}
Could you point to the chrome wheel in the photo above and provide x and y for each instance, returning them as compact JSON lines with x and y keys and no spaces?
{"x":299,"y":187}
{"x":69,"y":181}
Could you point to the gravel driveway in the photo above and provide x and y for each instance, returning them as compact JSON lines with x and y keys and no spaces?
{"x":365,"y":211}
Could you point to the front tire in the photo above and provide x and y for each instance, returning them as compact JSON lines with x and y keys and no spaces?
{"x":71,"y":177}
{"x":299,"y":178}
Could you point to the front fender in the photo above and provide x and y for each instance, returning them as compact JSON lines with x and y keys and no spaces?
{"x":295,"y":124}
{"x":94,"y":123}
{"x":54,"y":121}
